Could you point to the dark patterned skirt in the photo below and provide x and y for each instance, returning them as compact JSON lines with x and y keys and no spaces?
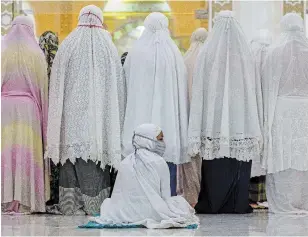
{"x":83,"y":187}
{"x":54,"y":184}
{"x":257,"y":191}
{"x":224,"y":187}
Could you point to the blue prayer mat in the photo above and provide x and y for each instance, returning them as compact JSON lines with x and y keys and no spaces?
{"x":95,"y":225}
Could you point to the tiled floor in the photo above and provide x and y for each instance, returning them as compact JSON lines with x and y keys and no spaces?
{"x":256,"y":224}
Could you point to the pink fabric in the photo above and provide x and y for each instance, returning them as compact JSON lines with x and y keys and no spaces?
{"x":22,"y":31}
{"x":22,"y":178}
{"x":23,"y":94}
{"x":13,"y":207}
{"x":23,"y":159}
{"x":24,"y":99}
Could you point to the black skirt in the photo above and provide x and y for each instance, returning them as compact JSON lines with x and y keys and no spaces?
{"x":224,"y":187}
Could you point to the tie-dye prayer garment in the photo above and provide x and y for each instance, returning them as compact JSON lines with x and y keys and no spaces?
{"x":24,"y":99}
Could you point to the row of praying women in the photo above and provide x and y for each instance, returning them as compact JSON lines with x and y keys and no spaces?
{"x":251,"y":108}
{"x":234,"y":113}
{"x":249,"y":117}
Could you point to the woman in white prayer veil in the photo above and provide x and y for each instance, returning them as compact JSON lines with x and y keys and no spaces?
{"x":141,"y":194}
{"x":285,"y":76}
{"x":86,"y":112}
{"x":259,"y":45}
{"x":223,"y":125}
{"x":157,"y":90}
{"x":189,"y":174}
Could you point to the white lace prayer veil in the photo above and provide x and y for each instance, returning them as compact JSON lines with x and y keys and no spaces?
{"x":87,"y":95}
{"x":285,"y":74}
{"x":157,"y":88}
{"x":223,"y":115}
{"x":197,"y":40}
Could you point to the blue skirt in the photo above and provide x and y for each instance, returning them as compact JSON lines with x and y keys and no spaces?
{"x":172,"y":169}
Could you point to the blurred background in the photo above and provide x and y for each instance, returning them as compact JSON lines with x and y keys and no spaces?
{"x":124,"y":18}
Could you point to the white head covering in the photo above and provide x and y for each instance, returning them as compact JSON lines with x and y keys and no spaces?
{"x":224,"y":117}
{"x":141,"y":195}
{"x":197,"y":39}
{"x":145,"y":135}
{"x":157,"y":88}
{"x":87,"y":95}
{"x":286,"y":83}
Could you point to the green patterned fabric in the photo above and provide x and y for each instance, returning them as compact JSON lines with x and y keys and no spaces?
{"x":49,"y":42}
{"x":257,"y":192}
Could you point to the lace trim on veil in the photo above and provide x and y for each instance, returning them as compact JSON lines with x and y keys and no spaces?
{"x":245,"y":149}
{"x":82,"y":150}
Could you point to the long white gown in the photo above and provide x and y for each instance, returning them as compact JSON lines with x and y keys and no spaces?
{"x":141,"y":194}
{"x":157,"y":88}
{"x":286,"y":119}
{"x":223,"y":118}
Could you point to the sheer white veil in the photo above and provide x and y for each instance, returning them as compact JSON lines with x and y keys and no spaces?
{"x":86,"y":70}
{"x":285,"y":73}
{"x":157,"y":88}
{"x":223,"y":115}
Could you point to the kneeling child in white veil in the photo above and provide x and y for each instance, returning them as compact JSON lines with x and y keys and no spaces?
{"x":141,"y":194}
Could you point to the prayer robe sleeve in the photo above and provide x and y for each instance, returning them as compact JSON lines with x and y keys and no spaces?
{"x":164,"y":175}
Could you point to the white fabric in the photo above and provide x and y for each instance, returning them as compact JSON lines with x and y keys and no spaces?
{"x":87,"y":95}
{"x":259,"y":46}
{"x":262,"y":37}
{"x":285,"y":78}
{"x":256,"y":15}
{"x":286,"y":225}
{"x":197,"y":40}
{"x":157,"y":88}
{"x":223,"y":115}
{"x":287,"y":192}
{"x":141,"y":195}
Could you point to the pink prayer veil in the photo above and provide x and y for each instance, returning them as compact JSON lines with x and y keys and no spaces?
{"x":22,"y":30}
